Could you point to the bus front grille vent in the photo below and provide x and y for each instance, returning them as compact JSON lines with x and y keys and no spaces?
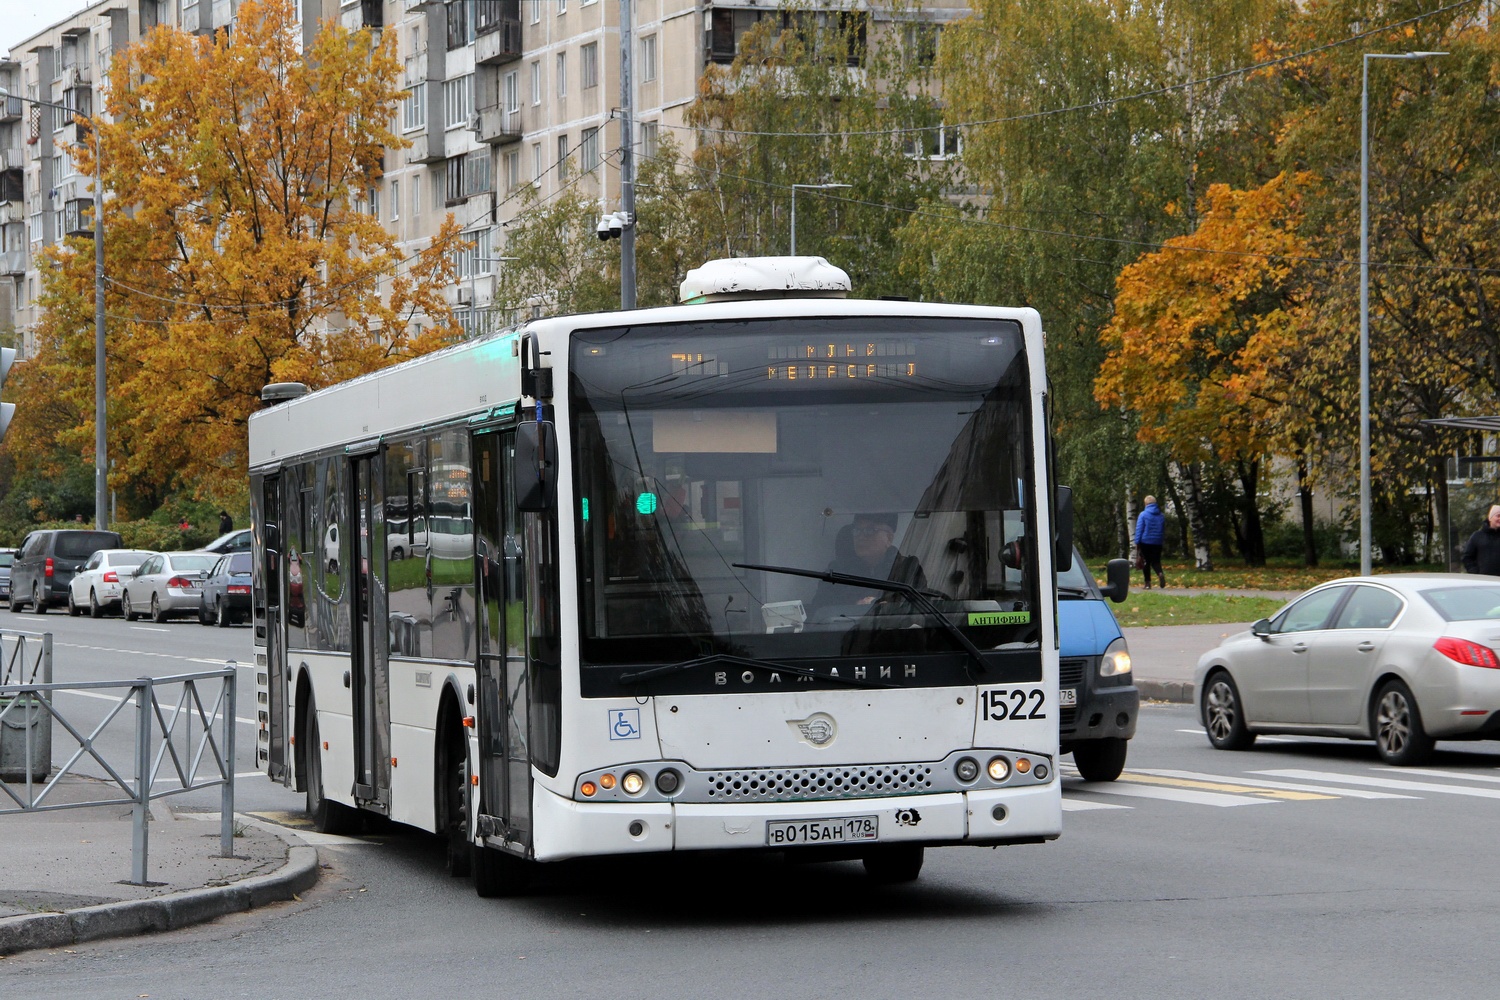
{"x":804,"y":783}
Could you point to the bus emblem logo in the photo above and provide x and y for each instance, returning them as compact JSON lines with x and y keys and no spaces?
{"x":816,"y":730}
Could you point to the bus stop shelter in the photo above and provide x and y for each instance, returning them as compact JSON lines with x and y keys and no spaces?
{"x":1473,"y":485}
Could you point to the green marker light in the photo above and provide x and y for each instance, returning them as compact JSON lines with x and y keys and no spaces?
{"x":646,"y":503}
{"x":585,"y":503}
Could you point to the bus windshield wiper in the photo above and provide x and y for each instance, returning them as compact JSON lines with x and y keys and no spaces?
{"x":730,"y":659}
{"x":918,"y":598}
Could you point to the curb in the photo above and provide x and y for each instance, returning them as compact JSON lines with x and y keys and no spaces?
{"x":1179,"y":692}
{"x":162,"y":913}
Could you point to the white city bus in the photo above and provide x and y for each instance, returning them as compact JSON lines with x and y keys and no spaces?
{"x":755,"y":572}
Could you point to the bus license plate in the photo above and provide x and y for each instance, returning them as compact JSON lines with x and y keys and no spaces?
{"x":796,"y":833}
{"x":1068,"y":697}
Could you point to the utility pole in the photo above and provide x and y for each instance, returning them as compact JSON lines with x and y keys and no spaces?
{"x":627,"y":160}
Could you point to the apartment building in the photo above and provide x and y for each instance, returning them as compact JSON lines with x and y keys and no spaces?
{"x":503,"y":94}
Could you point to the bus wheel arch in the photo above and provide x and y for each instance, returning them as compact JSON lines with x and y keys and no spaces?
{"x":451,"y":783}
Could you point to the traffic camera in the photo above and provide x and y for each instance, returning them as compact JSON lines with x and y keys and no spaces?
{"x":614,"y":224}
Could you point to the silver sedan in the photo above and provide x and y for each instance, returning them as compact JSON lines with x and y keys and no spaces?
{"x":167,"y":584}
{"x":1404,"y":660}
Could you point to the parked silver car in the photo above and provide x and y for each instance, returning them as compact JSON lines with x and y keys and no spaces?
{"x":167,"y":584}
{"x":96,"y":586}
{"x":1404,"y":659}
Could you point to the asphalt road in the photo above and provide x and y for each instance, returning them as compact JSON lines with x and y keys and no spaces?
{"x":1300,"y":868}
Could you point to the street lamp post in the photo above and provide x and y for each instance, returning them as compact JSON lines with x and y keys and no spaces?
{"x":807,"y":187}
{"x":101,"y":447}
{"x":1364,"y":299}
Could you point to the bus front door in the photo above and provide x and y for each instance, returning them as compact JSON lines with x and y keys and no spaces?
{"x":270,"y":726}
{"x":369,"y":646}
{"x":504,"y":695}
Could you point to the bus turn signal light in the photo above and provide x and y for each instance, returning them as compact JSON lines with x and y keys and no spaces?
{"x":588,"y":789}
{"x":1023,"y":765}
{"x":607,"y":780}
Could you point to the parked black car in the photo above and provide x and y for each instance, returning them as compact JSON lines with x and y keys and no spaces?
{"x":46,"y":562}
{"x":7,"y":557}
{"x":226,"y":592}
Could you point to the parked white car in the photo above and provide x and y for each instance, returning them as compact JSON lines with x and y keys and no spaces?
{"x":167,"y":584}
{"x":97,"y":586}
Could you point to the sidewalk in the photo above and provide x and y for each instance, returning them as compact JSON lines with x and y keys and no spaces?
{"x":1163,"y":657}
{"x":65,"y":875}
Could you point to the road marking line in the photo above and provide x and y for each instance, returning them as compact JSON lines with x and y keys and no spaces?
{"x":1436,"y":773}
{"x":1188,"y":795}
{"x":1230,"y":786}
{"x":1263,"y":739}
{"x":117,"y":698}
{"x":1411,"y":786}
{"x":148,"y":628}
{"x":1355,"y":793}
{"x":1086,"y":805}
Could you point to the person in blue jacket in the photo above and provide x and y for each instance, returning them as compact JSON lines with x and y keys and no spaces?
{"x":1150,"y":529}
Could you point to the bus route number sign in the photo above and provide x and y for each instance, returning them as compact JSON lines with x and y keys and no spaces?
{"x":1020,"y":704}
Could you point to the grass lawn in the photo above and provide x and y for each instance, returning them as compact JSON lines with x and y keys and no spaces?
{"x":1150,"y":607}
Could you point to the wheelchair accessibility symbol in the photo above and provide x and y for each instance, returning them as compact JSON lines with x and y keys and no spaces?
{"x":625,"y":724}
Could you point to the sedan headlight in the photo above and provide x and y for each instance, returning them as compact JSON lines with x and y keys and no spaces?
{"x":1116,"y":659}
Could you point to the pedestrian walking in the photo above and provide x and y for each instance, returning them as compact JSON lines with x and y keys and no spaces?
{"x":1482,"y":550}
{"x":1150,"y":530}
{"x":226,"y":523}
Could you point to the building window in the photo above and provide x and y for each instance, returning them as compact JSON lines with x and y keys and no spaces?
{"x":458,"y":100}
{"x":512,"y":169}
{"x":414,"y":107}
{"x":562,"y":74}
{"x":562,"y":155}
{"x":536,"y":10}
{"x":536,"y":82}
{"x":588,"y":58}
{"x":922,"y":43}
{"x":589,"y":149}
{"x":453,"y":178}
{"x":562,"y":7}
{"x":375,"y":202}
{"x":935,"y":144}
{"x":650,"y":140}
{"x":416,"y":199}
{"x":477,"y":172}
{"x":460,"y":31}
{"x":648,"y":58}
{"x":536,"y":163}
{"x":395,"y":201}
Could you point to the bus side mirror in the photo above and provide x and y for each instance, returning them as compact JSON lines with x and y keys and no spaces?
{"x":536,"y":466}
{"x":1064,"y":524}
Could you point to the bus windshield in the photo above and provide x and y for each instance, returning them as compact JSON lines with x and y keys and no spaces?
{"x":717,"y":464}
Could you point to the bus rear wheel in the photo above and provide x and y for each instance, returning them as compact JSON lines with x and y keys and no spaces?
{"x":892,"y":863}
{"x":326,"y":816}
{"x":498,"y":874}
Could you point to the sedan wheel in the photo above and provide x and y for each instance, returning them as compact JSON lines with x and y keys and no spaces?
{"x":126,"y":609}
{"x":156,"y":613}
{"x":95,"y":610}
{"x":1397,"y":724}
{"x":38,"y":606}
{"x":73,"y":609}
{"x":1223,"y":718}
{"x":222,"y":617}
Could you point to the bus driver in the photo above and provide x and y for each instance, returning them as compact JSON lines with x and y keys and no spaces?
{"x":867,"y":550}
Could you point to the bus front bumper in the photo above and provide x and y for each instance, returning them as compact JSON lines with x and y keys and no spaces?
{"x":564,"y":828}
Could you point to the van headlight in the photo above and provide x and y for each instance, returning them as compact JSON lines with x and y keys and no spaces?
{"x":1116,"y":659}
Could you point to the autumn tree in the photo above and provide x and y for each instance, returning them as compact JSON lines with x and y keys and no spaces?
{"x":240,"y":246}
{"x":1092,"y":129}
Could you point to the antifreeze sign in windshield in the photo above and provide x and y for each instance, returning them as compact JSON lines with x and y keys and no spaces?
{"x":744,"y":487}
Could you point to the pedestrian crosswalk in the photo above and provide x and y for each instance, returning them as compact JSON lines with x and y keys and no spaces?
{"x":1272,"y":785}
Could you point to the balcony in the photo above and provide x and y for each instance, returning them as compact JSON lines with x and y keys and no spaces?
{"x":500,"y":44}
{"x":78,"y":217}
{"x":12,"y":262}
{"x":427,"y":147}
{"x":12,"y":158}
{"x":11,"y":108}
{"x":498,"y":126}
{"x":12,"y":211}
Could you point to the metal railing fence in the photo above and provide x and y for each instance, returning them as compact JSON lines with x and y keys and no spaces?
{"x":182,"y":738}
